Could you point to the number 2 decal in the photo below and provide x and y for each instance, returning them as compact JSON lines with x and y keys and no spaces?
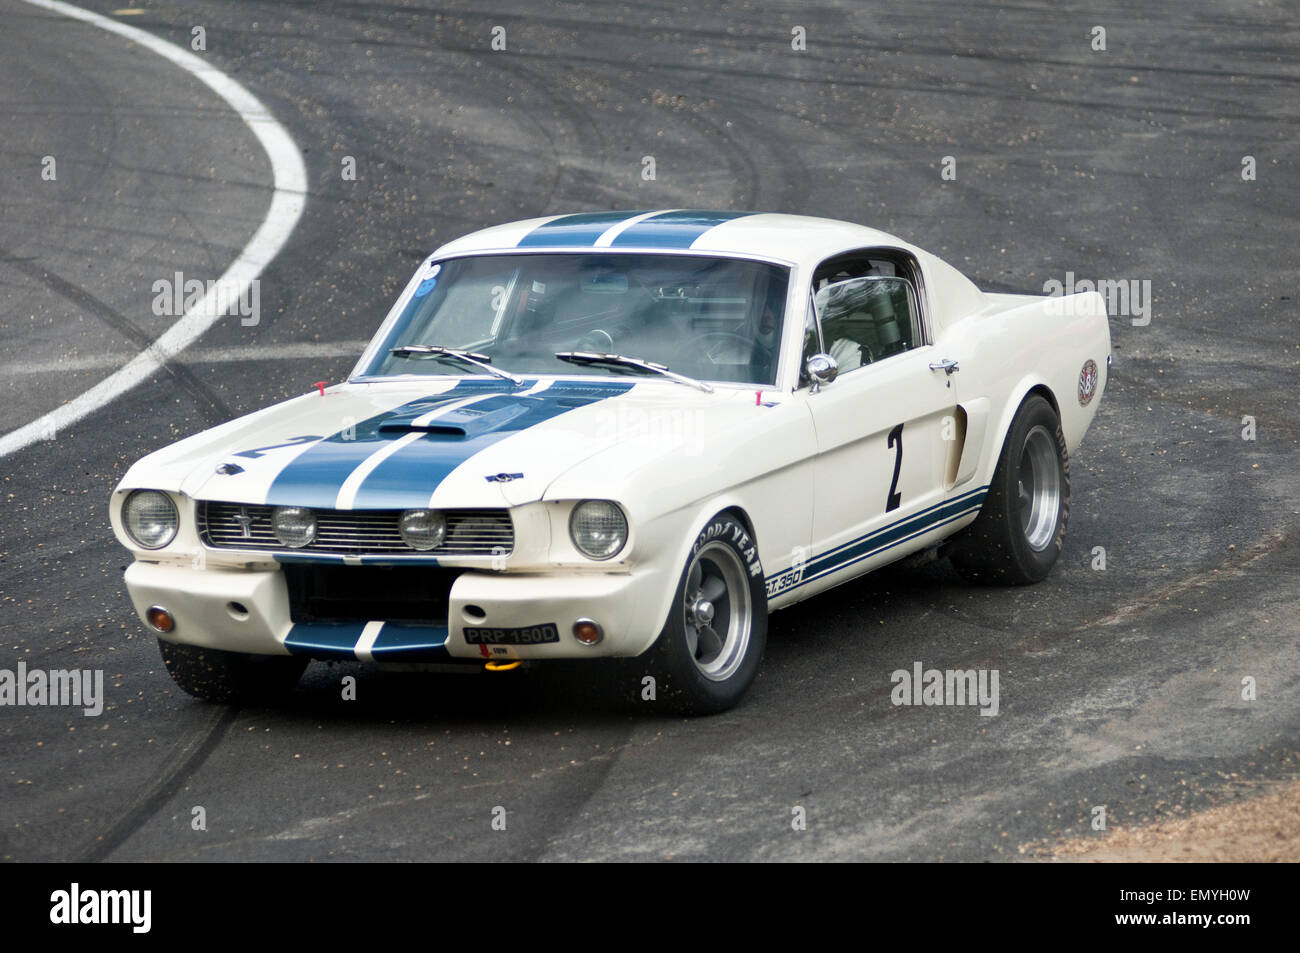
{"x":261,"y":451}
{"x":895,"y":498}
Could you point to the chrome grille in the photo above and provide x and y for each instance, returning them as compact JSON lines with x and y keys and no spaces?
{"x":356,"y":532}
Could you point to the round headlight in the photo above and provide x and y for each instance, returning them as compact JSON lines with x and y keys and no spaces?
{"x":150,"y":518}
{"x":294,"y":526}
{"x":598,"y":528}
{"x":423,"y":529}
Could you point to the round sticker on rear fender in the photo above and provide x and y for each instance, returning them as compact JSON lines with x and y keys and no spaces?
{"x":1087,"y":382}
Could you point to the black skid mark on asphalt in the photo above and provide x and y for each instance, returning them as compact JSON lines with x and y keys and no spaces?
{"x":180,"y":765}
{"x":586,"y":129}
{"x":210,"y":404}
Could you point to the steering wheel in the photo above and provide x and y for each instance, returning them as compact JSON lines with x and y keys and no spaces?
{"x":596,"y":340}
{"x":747,"y":344}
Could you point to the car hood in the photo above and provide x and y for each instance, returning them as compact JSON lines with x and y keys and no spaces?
{"x":445,"y":443}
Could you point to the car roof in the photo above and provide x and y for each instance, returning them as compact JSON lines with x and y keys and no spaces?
{"x":799,"y":239}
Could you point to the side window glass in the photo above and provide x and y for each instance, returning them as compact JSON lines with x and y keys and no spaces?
{"x":811,"y":345}
{"x":866,"y":319}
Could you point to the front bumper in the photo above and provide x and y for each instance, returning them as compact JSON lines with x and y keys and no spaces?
{"x":249,"y":611}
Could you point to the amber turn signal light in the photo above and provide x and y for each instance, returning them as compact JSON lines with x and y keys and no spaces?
{"x":160,"y":618}
{"x":587,"y":631}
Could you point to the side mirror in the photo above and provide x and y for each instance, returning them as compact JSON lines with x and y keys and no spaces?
{"x":822,"y":369}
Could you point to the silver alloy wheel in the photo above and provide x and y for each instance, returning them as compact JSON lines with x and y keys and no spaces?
{"x":1039,"y":488}
{"x":718,"y":611}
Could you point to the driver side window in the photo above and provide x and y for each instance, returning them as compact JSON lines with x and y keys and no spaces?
{"x":867,"y":310}
{"x":866,"y":319}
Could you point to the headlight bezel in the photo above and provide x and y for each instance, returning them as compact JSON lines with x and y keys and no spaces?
{"x":595,"y":554}
{"x":130,"y":530}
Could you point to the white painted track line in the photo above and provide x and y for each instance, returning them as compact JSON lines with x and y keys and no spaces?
{"x":195,"y":355}
{"x":287,"y":199}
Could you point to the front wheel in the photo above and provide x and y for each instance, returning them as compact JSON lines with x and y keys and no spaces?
{"x":1020,"y":530}
{"x":712,"y":641}
{"x":218,"y":676}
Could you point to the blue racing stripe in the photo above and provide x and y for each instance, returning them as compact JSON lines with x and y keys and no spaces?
{"x":407,"y":642}
{"x":302,"y":559}
{"x":966,"y":500}
{"x":581,"y":229}
{"x":677,"y":229}
{"x":314,"y":477}
{"x":408,"y":478}
{"x":320,"y":640}
{"x":886,"y":537}
{"x":882,"y":542}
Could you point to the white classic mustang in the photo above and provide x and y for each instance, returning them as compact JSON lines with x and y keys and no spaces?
{"x":619,"y":434}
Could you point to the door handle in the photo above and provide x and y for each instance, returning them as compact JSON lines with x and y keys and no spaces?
{"x":947,"y":365}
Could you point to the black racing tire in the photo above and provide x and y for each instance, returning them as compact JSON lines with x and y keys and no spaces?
{"x":230,"y":677}
{"x":722,"y":590}
{"x":1020,"y":530}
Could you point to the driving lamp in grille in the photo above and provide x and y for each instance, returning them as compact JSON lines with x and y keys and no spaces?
{"x":294,"y":526}
{"x":423,"y":529}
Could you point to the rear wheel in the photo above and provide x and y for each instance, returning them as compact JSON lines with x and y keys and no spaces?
{"x":712,"y":641}
{"x":218,"y":676}
{"x":1020,"y":530}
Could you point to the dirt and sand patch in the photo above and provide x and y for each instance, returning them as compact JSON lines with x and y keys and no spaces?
{"x":1263,"y":829}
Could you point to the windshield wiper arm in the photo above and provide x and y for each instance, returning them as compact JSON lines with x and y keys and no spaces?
{"x":619,"y":360}
{"x":481,"y":361}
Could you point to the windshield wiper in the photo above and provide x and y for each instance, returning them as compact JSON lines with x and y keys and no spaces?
{"x":482,"y":361}
{"x":619,"y":360}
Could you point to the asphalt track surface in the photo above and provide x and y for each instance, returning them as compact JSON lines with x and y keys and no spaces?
{"x":1119,"y":687}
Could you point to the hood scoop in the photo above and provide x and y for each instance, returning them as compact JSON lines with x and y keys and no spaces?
{"x":461,"y":424}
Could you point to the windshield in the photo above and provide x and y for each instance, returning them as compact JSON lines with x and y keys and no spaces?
{"x":714,"y":319}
